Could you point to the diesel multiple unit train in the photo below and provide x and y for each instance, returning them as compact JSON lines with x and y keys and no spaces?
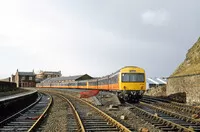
{"x":129,"y":83}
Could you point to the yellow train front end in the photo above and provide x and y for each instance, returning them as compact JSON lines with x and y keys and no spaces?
{"x":132,"y":83}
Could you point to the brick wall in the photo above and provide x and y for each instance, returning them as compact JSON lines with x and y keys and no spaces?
{"x":190,"y":84}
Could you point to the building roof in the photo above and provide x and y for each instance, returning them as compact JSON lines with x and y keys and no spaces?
{"x":26,"y":73}
{"x":66,"y":78}
{"x":156,"y":80}
{"x":51,"y":72}
{"x":72,"y":78}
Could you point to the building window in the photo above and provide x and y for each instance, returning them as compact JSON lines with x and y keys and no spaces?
{"x":23,"y":78}
{"x":30,"y":78}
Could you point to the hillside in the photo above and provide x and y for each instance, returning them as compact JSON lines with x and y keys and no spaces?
{"x":191,"y":64}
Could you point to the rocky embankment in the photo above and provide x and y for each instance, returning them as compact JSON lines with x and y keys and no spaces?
{"x":157,"y":92}
{"x":191,"y":64}
{"x":186,"y":77}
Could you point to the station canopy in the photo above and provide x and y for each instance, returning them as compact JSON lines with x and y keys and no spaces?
{"x":156,"y":81}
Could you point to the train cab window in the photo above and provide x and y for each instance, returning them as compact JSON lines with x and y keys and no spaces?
{"x":125,"y":77}
{"x":132,"y":77}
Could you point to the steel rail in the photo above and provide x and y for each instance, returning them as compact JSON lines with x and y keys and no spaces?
{"x":184,"y":110}
{"x":42,"y":115}
{"x":182,"y":117}
{"x":28,"y":118}
{"x":112,"y":121}
{"x":18,"y":113}
{"x":179,"y":106}
{"x":158,"y":120}
{"x":80,"y":127}
{"x":106,"y":117}
{"x":192,"y":109}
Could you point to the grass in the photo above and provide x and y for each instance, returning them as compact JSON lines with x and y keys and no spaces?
{"x":191,"y":64}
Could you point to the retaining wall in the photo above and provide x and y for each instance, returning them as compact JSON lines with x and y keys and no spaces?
{"x":188,"y":84}
{"x":12,"y":105}
{"x":7,"y":86}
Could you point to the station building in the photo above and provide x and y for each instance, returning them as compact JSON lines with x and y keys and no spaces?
{"x":24,"y":79}
{"x":42,"y":75}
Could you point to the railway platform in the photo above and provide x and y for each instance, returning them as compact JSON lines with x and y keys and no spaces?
{"x":15,"y":102}
{"x":17,"y":95}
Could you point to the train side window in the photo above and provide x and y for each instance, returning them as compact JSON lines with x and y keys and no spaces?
{"x":115,"y":79}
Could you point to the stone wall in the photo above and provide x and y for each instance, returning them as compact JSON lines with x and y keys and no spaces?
{"x":190,"y":84}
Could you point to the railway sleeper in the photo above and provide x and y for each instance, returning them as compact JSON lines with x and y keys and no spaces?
{"x":12,"y":129}
{"x":158,"y":119}
{"x":102,"y":129}
{"x":187,"y":119}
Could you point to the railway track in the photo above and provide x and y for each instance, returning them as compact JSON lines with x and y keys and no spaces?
{"x":187,"y":110}
{"x":85,"y":117}
{"x":164,"y":119}
{"x":30,"y":117}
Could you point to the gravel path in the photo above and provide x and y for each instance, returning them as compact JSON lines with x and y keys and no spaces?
{"x":57,"y":121}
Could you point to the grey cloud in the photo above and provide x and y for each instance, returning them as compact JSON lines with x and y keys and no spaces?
{"x":167,"y":44}
{"x":123,"y":18}
{"x":126,"y":39}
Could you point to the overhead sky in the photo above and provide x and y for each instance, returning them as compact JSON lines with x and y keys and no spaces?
{"x":96,"y":37}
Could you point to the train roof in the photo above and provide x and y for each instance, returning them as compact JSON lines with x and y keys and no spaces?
{"x":131,"y":67}
{"x":69,"y":78}
{"x":83,"y":77}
